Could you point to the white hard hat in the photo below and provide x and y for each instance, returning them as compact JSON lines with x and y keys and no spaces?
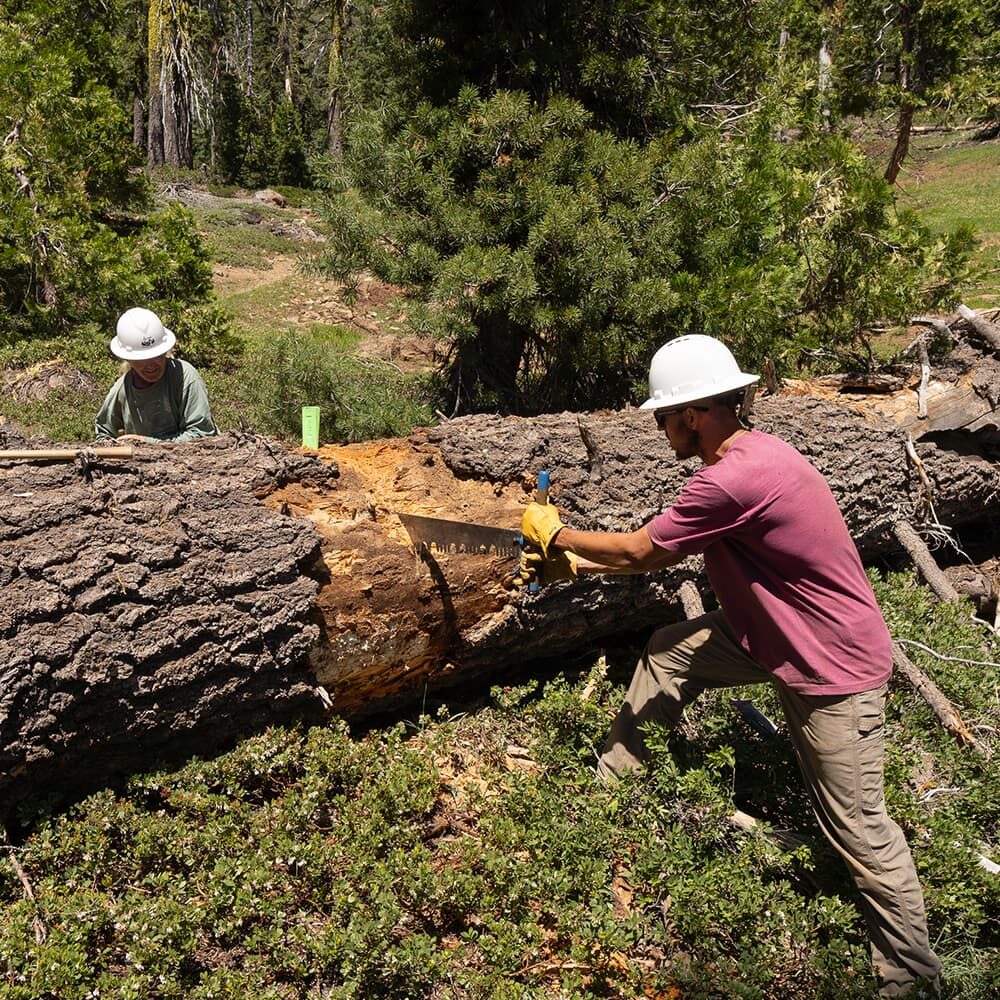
{"x":141,"y":335}
{"x":692,"y":368}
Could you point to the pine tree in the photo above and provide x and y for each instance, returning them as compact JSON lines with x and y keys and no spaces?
{"x":556,"y":239}
{"x":76,"y":244}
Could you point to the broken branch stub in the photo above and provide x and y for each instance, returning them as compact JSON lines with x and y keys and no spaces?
{"x":988,"y":331}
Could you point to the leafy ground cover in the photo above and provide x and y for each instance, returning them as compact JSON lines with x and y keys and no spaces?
{"x":471,"y":852}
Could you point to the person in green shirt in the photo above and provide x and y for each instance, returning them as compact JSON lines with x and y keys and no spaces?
{"x":158,"y":398}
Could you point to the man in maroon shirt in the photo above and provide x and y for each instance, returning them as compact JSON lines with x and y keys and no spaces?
{"x":796,"y":609}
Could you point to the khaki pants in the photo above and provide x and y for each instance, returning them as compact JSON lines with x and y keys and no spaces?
{"x":838,"y":742}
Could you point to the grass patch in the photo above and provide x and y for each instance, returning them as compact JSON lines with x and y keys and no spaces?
{"x":247,"y":238}
{"x":64,"y":415}
{"x":265,"y":307}
{"x":953,"y":187}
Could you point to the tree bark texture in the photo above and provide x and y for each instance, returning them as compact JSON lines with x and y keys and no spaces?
{"x":169,"y":604}
{"x":154,"y":101}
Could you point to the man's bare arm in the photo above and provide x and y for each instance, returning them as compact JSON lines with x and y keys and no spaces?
{"x":615,"y":552}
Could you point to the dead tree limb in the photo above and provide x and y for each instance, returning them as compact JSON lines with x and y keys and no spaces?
{"x":983,"y":327}
{"x":37,"y":924}
{"x":939,"y":704}
{"x":921,"y":556}
{"x":938,"y":325}
{"x":918,"y":680}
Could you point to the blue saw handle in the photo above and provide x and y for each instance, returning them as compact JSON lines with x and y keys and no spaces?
{"x":541,"y":496}
{"x":542,"y":490}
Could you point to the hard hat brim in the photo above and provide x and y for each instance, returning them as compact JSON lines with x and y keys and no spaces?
{"x":119,"y":350}
{"x":722,"y":388}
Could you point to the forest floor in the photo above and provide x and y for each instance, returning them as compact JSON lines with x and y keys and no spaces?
{"x":264,"y":274}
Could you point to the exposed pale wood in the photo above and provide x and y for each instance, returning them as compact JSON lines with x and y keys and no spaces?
{"x":962,"y":395}
{"x":925,"y":375}
{"x":63,"y":454}
{"x":862,"y":382}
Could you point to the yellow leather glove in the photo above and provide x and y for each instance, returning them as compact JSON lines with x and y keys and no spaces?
{"x":534,"y":566}
{"x":540,"y":524}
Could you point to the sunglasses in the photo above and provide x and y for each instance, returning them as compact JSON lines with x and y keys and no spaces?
{"x":660,"y":416}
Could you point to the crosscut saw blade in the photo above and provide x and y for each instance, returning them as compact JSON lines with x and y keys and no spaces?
{"x":459,"y":536}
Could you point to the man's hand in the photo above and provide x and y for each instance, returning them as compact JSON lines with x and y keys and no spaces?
{"x":534,"y":566}
{"x":540,"y":524}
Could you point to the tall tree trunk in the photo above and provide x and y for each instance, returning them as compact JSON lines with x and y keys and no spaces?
{"x":139,"y":85}
{"x":335,"y":81}
{"x":829,"y":22}
{"x":171,"y":126}
{"x":154,"y":78}
{"x":249,"y":50}
{"x":170,"y":86}
{"x":908,"y":12}
{"x":138,"y":118}
{"x":286,"y":46}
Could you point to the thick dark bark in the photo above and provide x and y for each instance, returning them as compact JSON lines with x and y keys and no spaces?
{"x":169,"y":604}
{"x":149,"y":607}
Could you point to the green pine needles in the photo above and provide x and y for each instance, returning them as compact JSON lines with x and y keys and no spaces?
{"x":556,"y":257}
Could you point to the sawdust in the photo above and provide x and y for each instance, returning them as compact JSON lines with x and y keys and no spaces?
{"x":385,"y":477}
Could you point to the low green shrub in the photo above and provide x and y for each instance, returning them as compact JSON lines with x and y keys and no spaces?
{"x":205,"y":337}
{"x":360,"y":398}
{"x":477,"y":855}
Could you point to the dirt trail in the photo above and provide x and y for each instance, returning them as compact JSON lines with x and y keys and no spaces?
{"x":300,"y":299}
{"x":230,"y":279}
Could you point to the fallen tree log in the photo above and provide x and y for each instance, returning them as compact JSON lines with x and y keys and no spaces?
{"x":168,"y":604}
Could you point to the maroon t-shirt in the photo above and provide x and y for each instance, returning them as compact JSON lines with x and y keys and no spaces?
{"x":784,"y":567}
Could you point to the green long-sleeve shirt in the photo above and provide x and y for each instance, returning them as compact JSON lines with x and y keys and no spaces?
{"x":175,"y":408}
